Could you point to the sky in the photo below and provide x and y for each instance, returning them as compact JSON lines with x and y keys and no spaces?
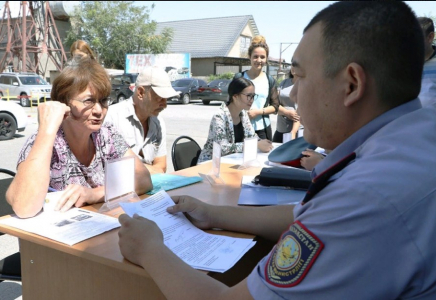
{"x":281,"y":22}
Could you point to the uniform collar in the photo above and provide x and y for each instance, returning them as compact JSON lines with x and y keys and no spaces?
{"x":365,"y":132}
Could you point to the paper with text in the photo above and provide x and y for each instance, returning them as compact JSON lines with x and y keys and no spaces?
{"x":197,"y":248}
{"x":70,"y":227}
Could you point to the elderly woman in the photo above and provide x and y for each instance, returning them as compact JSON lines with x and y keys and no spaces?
{"x":71,"y":145}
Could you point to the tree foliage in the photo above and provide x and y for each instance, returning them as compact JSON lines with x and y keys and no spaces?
{"x":116,"y":28}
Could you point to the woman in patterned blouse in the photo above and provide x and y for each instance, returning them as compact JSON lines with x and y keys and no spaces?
{"x":71,"y":145}
{"x":231,"y":125}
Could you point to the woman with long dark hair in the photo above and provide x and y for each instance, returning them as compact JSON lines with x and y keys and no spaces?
{"x":231,"y":125}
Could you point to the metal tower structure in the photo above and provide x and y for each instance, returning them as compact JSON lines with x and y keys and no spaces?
{"x":29,"y":41}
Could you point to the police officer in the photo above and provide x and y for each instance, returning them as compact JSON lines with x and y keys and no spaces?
{"x":366,"y":228}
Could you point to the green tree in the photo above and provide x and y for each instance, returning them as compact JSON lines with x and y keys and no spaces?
{"x":115,"y":28}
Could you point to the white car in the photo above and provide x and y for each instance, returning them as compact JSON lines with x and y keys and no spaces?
{"x":12,"y":119}
{"x":24,"y":87}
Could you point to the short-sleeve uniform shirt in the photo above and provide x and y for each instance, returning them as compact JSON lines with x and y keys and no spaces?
{"x":369,"y":234}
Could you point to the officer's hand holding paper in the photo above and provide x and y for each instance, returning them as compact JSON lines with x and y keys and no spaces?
{"x":197,"y":248}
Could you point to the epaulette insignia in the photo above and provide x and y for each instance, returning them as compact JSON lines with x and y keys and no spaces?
{"x":293,"y":256}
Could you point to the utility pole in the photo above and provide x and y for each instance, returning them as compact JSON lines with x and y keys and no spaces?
{"x":281,"y":51}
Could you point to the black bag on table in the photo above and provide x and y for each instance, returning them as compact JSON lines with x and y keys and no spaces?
{"x":284,"y":177}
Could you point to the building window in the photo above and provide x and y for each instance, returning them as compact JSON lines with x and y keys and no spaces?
{"x":245,"y":44}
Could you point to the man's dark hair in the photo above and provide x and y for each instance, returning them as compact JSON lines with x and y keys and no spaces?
{"x":383,"y":37}
{"x":426,"y":25}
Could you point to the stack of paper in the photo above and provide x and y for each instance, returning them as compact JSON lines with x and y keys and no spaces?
{"x":70,"y":227}
{"x":197,"y":248}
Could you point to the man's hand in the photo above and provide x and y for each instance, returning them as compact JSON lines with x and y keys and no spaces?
{"x":199,"y":213}
{"x":310,"y":159}
{"x":138,"y":237}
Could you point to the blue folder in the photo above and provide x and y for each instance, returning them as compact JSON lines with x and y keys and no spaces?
{"x":269,"y":196}
{"x":168,"y":182}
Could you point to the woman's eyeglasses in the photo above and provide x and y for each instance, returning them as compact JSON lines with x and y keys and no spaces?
{"x":90,"y":102}
{"x":250,"y":96}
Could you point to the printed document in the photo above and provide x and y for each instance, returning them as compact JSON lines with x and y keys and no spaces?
{"x":70,"y":227}
{"x":197,"y":248}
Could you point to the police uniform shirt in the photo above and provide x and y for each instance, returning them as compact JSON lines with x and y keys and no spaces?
{"x":122,"y":116}
{"x":369,"y":234}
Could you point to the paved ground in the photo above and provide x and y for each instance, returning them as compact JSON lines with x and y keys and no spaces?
{"x":192,"y":120}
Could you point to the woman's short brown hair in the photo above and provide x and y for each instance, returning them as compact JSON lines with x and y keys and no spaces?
{"x":82,"y":46}
{"x":80,"y":73}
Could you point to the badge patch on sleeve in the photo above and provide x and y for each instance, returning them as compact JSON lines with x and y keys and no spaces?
{"x":293,"y":256}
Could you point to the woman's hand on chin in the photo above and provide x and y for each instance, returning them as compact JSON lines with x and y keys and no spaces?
{"x":51,"y":114}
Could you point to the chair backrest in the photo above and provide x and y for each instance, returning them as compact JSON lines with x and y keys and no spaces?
{"x":5,"y":208}
{"x":185,"y":153}
{"x":10,"y":266}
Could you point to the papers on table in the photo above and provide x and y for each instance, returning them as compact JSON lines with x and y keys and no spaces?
{"x":238,"y":158}
{"x":195,"y":247}
{"x":255,"y":194}
{"x":70,"y":227}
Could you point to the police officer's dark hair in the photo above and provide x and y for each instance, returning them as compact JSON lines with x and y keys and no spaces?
{"x":236,"y":86}
{"x":384,"y":37}
{"x":427,"y":25}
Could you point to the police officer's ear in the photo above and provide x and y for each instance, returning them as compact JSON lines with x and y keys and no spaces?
{"x":355,"y":83}
{"x":430,"y":38}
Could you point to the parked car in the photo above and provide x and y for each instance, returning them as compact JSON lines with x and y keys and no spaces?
{"x":122,"y":87}
{"x":12,"y":119}
{"x":23,"y":86}
{"x":172,"y":73}
{"x":216,"y":90}
{"x":188,"y":88}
